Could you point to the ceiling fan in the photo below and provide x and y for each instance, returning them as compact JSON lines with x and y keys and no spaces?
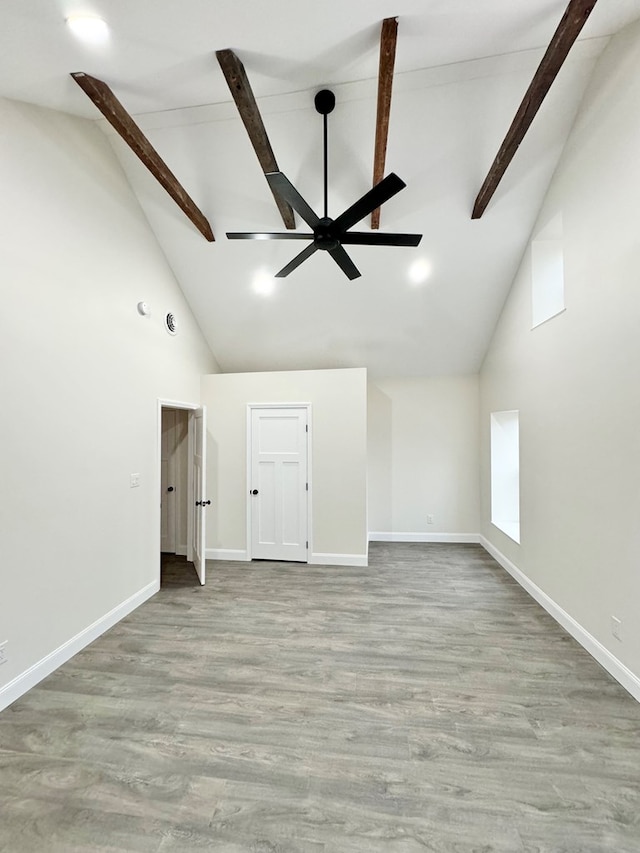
{"x":331,"y":235}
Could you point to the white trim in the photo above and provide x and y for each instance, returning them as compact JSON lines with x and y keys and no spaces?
{"x":175,"y":404}
{"x":461,"y":538}
{"x":338,"y":560}
{"x":314,"y":559}
{"x":247,"y":489}
{"x":30,"y":677}
{"x":276,"y":405}
{"x":605,"y":658}
{"x":227,"y":554}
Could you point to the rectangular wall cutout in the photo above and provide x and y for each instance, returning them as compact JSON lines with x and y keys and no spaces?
{"x":547,"y":272}
{"x":505,"y":473}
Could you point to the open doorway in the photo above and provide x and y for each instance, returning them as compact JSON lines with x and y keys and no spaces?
{"x":183,"y":503}
{"x":174,"y":462}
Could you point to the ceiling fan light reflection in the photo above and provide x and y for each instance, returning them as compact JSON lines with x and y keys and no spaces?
{"x":419,"y":271}
{"x":89,"y":28}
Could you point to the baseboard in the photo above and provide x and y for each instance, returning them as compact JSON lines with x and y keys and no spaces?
{"x":605,"y":658}
{"x":461,"y":538}
{"x":30,"y":677}
{"x":316,"y":559}
{"x":226,"y":554}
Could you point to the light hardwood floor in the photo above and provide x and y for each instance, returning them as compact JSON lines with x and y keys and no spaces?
{"x":425,"y":703}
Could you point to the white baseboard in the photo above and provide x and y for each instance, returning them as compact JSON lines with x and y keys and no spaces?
{"x":605,"y":658}
{"x":226,"y":554}
{"x":316,"y":559}
{"x":460,"y":538}
{"x":30,"y":677}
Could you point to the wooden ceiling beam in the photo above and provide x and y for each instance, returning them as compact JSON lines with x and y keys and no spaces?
{"x":569,"y":28}
{"x":388,"y":39}
{"x":240,"y":88}
{"x":119,"y":118}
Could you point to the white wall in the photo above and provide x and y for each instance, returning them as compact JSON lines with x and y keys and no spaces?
{"x":424,"y":458}
{"x":338,"y":462}
{"x":80,"y":374}
{"x":576,"y":380}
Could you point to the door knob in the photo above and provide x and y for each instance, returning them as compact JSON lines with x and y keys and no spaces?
{"x":206,"y":503}
{"x":170,"y":489}
{"x":254,"y":491}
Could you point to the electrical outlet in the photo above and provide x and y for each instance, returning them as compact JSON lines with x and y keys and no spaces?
{"x":616,"y":627}
{"x":134,"y":481}
{"x":3,"y":652}
{"x":429,"y":519}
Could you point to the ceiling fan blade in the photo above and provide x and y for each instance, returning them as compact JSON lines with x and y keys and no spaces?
{"x":368,"y":238}
{"x":295,"y":263}
{"x":382,"y":192}
{"x":345,"y":263}
{"x":281,"y":185}
{"x":268,"y":235}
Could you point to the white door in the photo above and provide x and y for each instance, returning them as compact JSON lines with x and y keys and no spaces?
{"x":199,"y":501}
{"x":278,"y":484}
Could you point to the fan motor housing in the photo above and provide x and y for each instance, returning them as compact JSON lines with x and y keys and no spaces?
{"x":325,"y":101}
{"x":324,"y":236}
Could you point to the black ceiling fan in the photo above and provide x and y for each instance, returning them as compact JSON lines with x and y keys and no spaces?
{"x":329,"y":234}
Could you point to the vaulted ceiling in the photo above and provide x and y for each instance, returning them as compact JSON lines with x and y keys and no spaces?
{"x":462,"y":68}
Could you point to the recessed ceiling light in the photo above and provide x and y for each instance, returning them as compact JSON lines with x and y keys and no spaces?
{"x":264,"y":284}
{"x":89,"y":28}
{"x":419,"y":271}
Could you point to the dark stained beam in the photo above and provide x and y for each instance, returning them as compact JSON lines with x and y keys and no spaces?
{"x":119,"y":118}
{"x":242,"y":93}
{"x":569,"y":28}
{"x":388,"y":38}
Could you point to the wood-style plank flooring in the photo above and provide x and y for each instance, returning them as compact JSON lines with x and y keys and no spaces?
{"x":425,"y":703}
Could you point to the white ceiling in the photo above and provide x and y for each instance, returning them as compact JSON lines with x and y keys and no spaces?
{"x":462,"y":67}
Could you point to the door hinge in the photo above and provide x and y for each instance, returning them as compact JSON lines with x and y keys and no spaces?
{"x":306,"y":486}
{"x":307,"y":544}
{"x":306,"y":427}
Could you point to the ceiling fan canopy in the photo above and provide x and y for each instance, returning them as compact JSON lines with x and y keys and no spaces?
{"x":327,"y":234}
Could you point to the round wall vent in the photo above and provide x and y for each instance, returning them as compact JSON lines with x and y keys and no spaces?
{"x":171,"y":323}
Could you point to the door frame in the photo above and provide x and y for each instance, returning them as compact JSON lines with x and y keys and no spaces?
{"x":250,"y":408}
{"x":191,"y":408}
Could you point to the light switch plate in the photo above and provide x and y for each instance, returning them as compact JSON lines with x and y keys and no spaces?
{"x":134,"y":481}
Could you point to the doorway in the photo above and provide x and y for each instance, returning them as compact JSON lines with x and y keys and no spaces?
{"x":174,"y":481}
{"x":182,"y":475}
{"x":279,"y":484}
